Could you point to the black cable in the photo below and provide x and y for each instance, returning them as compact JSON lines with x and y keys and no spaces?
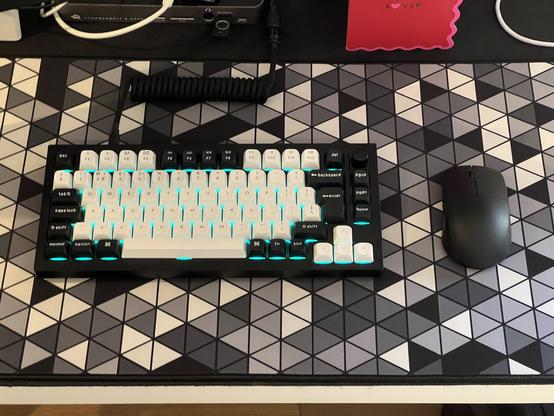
{"x":156,"y":88}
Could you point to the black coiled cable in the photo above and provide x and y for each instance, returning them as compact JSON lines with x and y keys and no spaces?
{"x":256,"y":90}
{"x":199,"y":89}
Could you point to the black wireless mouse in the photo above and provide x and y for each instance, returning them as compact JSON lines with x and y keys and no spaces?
{"x":476,"y":231}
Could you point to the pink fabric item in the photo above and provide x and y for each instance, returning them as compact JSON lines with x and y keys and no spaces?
{"x":401,"y":24}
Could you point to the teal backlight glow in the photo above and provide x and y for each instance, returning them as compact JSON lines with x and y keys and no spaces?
{"x":108,"y":258}
{"x":361,"y":223}
{"x":257,"y":258}
{"x":298,"y":258}
{"x":58,"y":259}
{"x":184,"y":258}
{"x":277,"y":258}
{"x":83,"y":258}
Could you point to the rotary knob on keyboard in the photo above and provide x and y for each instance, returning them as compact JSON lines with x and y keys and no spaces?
{"x":359,"y":159}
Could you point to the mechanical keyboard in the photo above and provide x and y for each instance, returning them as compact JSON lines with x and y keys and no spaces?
{"x":231,"y":211}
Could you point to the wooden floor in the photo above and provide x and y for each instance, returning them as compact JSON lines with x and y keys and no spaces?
{"x":224,"y":410}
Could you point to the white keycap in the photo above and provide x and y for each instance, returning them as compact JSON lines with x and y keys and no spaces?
{"x":161,"y":230}
{"x":62,"y":180}
{"x":252,"y":159}
{"x":282,"y":229}
{"x":310,"y":159}
{"x":251,"y":213}
{"x":201,"y":248}
{"x":305,"y":196}
{"x":256,"y":178}
{"x":323,"y":253}
{"x":311,"y":212}
{"x":276,"y":179}
{"x":172,"y":213}
{"x":82,"y":231}
{"x":141,"y":230}
{"x":202,"y":230}
{"x":231,"y":213}
{"x":107,"y":160}
{"x":261,"y":230}
{"x":198,"y":179}
{"x":129,"y":198}
{"x":149,"y":197}
{"x":159,"y":179}
{"x":247,"y":196}
{"x":82,"y":180}
{"x":113,"y":214}
{"x":363,"y":253}
{"x":122,"y":231}
{"x":267,"y":196}
{"x":110,"y":198}
{"x":88,"y":160}
{"x":227,"y":196}
{"x":153,"y":214}
{"x":296,"y":178}
{"x":342,"y":234}
{"x":290,"y":159}
{"x":211,"y":214}
{"x":188,"y":196}
{"x":343,"y":253}
{"x":168,"y":197}
{"x":179,"y":179}
{"x":207,"y":196}
{"x":102,"y":231}
{"x":271,"y":213}
{"x":90,"y":197}
{"x":292,"y":213}
{"x":146,"y":160}
{"x":221,"y":230}
{"x":140,"y":179}
{"x":237,"y":179}
{"x":127,"y":160}
{"x":192,"y":214}
{"x":286,"y":196}
{"x":101,"y":180}
{"x":217,"y":179}
{"x":121,"y":180}
{"x":94,"y":214}
{"x":133,"y":214}
{"x":242,"y":230}
{"x":182,"y":231}
{"x":271,"y":159}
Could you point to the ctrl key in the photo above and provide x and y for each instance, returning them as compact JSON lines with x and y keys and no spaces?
{"x":57,"y":250}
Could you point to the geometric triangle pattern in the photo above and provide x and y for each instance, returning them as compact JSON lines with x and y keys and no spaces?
{"x":425,"y":315}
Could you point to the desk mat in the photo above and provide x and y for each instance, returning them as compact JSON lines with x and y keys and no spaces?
{"x":425,"y":318}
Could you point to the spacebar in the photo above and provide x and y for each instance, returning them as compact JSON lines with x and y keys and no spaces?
{"x":199,"y":248}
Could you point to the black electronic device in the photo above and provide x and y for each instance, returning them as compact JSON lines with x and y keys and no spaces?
{"x":232,"y":210}
{"x":477,"y":231}
{"x":182,"y":11}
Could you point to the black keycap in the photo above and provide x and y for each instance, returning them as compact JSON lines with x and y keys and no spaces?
{"x":361,"y":194}
{"x":256,"y":250}
{"x":65,"y":213}
{"x":208,"y":160}
{"x":82,"y":250}
{"x":65,"y":197}
{"x":277,"y":249}
{"x":189,"y":160}
{"x":332,"y":202}
{"x":169,"y":160}
{"x":108,"y":250}
{"x":360,"y":178}
{"x":229,"y":160}
{"x":59,"y":232}
{"x":310,"y":230}
{"x":64,"y":160}
{"x":334,"y":159}
{"x":359,"y":159}
{"x":321,"y":177}
{"x":57,"y":250}
{"x":298,"y":250}
{"x":362,"y":214}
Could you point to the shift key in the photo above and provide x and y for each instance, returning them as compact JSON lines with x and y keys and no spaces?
{"x":331,"y":199}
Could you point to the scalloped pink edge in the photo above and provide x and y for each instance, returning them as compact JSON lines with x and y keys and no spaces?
{"x":453,"y":30}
